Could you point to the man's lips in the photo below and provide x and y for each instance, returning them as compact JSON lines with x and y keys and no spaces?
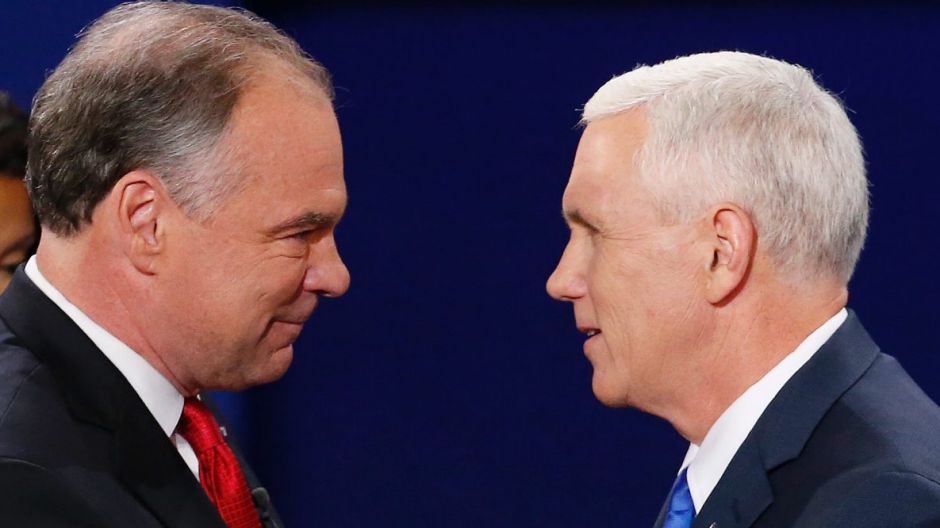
{"x":299,"y":322}
{"x":590,"y":331}
{"x":296,"y":318}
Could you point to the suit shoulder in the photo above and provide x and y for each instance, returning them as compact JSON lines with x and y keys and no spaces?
{"x":35,"y":422}
{"x":888,"y":415}
{"x":875,"y":452}
{"x":34,"y":496}
{"x":875,"y":499}
{"x":18,"y":365}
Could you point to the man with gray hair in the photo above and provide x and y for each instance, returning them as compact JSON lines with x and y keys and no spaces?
{"x":718,"y":204}
{"x":186,"y":167}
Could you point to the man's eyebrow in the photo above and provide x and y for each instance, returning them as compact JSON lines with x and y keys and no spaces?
{"x":574,"y":216}
{"x":308,"y":220}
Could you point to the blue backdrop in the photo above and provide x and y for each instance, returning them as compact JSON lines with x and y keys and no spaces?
{"x":446,"y":388}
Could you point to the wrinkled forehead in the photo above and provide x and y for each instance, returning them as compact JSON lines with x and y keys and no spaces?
{"x":604,"y":190}
{"x":607,"y":152}
{"x":618,"y":135}
{"x":285,"y":144}
{"x":281,"y":121}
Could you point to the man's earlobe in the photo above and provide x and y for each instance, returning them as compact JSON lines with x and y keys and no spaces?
{"x":139,"y":207}
{"x":733,"y":242}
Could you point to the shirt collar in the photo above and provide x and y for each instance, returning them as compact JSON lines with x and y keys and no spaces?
{"x":162,"y":399}
{"x":708,"y":462}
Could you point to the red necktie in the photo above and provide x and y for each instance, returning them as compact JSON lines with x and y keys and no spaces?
{"x":219,"y":472}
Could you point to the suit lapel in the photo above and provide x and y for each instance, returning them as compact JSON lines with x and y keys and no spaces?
{"x":733,"y":509}
{"x":151,"y":467}
{"x":742,"y":494}
{"x":661,"y":518}
{"x":744,"y":491}
{"x":97,"y":393}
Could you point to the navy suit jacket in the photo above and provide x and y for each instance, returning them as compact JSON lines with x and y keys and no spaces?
{"x":78,"y":448}
{"x":850,"y":441}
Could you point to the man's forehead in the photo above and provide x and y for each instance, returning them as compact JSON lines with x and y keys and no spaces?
{"x":621,"y":134}
{"x":274,"y":133}
{"x":603,"y":182}
{"x":609,"y":144}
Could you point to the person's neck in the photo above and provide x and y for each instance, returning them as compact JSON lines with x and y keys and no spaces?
{"x":748,"y":341}
{"x":100,"y":291}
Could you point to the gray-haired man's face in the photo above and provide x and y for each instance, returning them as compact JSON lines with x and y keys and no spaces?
{"x":242,"y":284}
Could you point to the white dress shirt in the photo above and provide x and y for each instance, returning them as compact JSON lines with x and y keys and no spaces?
{"x":706,"y":463}
{"x":162,"y":399}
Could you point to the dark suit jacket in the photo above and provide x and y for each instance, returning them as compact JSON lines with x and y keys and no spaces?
{"x":78,"y":448}
{"x":850,"y":441}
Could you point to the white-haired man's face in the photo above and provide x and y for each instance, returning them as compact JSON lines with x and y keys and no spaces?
{"x":636,"y":284}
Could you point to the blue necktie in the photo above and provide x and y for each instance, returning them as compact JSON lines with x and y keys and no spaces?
{"x":681,"y":510}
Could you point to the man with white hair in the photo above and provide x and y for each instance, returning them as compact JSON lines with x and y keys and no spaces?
{"x":718,"y":204}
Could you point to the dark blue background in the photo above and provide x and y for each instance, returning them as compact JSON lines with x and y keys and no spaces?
{"x":446,"y":388}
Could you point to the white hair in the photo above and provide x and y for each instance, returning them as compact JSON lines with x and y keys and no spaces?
{"x":757,"y":132}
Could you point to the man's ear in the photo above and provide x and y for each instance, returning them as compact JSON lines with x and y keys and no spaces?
{"x":733,"y":243}
{"x":142,"y":203}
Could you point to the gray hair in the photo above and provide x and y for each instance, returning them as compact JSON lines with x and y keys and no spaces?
{"x":151,"y":85}
{"x":757,"y":132}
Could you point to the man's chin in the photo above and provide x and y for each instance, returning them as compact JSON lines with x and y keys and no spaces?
{"x":272,"y":367}
{"x":277,"y":364}
{"x":610,"y":394}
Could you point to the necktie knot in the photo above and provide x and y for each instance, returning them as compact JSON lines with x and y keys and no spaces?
{"x":219,"y":472}
{"x":198,"y":426}
{"x":681,"y":508}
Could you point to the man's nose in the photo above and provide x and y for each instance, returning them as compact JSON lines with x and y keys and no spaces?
{"x":327,"y":274}
{"x":566,"y":283}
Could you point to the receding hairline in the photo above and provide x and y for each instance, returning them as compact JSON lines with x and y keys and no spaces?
{"x":119,"y":29}
{"x":262,"y":65}
{"x":153,"y":85}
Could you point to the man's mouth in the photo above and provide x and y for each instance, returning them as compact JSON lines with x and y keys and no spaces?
{"x":297,"y":318}
{"x":589,"y":331}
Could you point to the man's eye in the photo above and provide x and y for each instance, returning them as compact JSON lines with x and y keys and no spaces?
{"x":589,"y":231}
{"x":302,"y":235}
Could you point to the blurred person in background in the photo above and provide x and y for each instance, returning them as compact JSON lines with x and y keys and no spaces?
{"x":18,"y":230}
